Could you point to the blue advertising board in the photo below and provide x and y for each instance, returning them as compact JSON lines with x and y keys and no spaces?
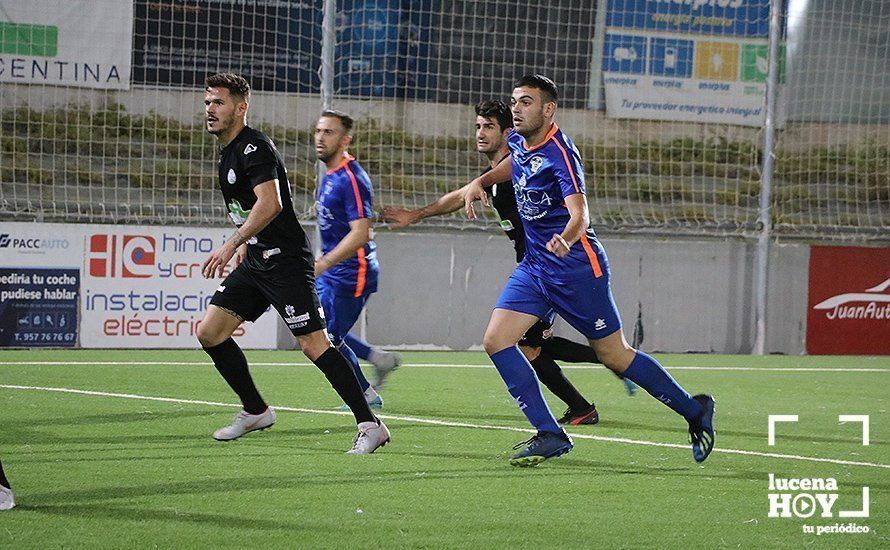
{"x":748,"y":18}
{"x":38,"y":307}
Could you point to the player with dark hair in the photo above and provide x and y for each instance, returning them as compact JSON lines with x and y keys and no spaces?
{"x":347,"y":271}
{"x":564,"y":271}
{"x":275,"y":267}
{"x":493,"y":124}
{"x":7,"y":499}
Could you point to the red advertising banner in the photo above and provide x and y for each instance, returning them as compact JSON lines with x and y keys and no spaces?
{"x":848,"y":311}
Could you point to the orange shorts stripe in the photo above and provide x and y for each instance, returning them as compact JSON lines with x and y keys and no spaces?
{"x":362,"y":273}
{"x":591,"y":255}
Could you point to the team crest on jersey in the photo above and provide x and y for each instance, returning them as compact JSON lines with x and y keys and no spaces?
{"x":249,"y":149}
{"x":231,"y":177}
{"x":536,"y":163}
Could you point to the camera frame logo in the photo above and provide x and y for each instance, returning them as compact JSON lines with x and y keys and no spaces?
{"x":126,"y":256}
{"x":805,"y":498}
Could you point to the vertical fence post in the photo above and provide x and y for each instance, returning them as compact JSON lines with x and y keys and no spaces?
{"x":326,"y":74}
{"x":766,"y":176}
{"x":595,"y":100}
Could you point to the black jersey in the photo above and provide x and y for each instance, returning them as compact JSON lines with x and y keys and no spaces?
{"x":503,"y":199}
{"x":249,"y":160}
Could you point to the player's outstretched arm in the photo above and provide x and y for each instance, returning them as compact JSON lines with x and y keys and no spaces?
{"x":268,"y":205}
{"x":358,"y":236}
{"x":579,"y":219}
{"x":398,"y":217}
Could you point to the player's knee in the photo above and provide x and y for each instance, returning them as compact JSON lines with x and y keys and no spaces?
{"x":208,"y":337}
{"x":494,"y":343}
{"x":616,"y":359}
{"x":314,"y":345}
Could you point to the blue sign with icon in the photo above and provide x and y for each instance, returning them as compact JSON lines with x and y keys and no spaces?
{"x":625,"y":54}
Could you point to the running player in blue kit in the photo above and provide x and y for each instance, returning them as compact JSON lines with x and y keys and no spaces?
{"x":564,"y":271}
{"x":346,"y":273}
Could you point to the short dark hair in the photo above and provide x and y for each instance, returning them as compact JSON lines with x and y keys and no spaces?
{"x":496,"y":109}
{"x":235,"y":83}
{"x":345,"y":119}
{"x":540,"y":82}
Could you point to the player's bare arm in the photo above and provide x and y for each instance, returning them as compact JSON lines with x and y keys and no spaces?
{"x":360,"y":232}
{"x":268,"y":205}
{"x":398,"y":217}
{"x":475,"y":190}
{"x":579,"y":219}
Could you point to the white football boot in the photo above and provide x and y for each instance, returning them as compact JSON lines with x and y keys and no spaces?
{"x":7,"y":500}
{"x":244,"y":423}
{"x":369,"y":438}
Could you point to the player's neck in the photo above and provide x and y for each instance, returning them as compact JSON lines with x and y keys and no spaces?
{"x":538,"y":137}
{"x":226,"y":137}
{"x":336,"y":159}
{"x":495,"y":157}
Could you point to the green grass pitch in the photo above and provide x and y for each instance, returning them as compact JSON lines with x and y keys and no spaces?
{"x":119,"y":471}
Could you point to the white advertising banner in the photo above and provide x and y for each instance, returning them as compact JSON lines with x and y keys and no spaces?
{"x":85,"y":43}
{"x":124,"y":286}
{"x":142,"y":288}
{"x":687,"y":60}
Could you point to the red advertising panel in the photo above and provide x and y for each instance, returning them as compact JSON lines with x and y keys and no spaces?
{"x":848,"y":311}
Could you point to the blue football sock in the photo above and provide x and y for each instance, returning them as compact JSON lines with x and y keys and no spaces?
{"x":353,"y":362}
{"x":523,"y":385}
{"x":651,"y":376}
{"x":361,"y":348}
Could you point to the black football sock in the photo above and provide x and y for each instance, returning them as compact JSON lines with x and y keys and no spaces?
{"x":551,"y":376}
{"x":569,"y":351}
{"x":341,"y":376}
{"x":3,"y":480}
{"x":232,"y":365}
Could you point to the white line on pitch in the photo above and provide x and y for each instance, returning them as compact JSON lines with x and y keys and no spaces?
{"x":434,"y":365}
{"x":449,"y":424}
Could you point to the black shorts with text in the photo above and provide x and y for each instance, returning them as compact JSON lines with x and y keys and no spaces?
{"x":248,"y":293}
{"x":535,"y":336}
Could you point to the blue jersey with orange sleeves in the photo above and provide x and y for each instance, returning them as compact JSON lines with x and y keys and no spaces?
{"x":345,"y":195}
{"x":543,"y":176}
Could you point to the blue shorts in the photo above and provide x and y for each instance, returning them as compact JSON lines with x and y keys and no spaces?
{"x":341,"y":311}
{"x":586,"y":304}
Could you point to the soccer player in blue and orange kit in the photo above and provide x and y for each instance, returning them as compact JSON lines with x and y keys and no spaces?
{"x":564,"y":271}
{"x":346,"y":273}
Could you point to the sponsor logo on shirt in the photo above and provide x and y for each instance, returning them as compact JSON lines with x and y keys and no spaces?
{"x":231,"y":177}
{"x":536,"y":163}
{"x":249,"y":149}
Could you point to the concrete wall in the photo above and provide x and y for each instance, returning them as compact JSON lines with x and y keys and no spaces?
{"x":437,"y":290}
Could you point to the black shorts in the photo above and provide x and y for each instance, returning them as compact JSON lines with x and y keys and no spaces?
{"x":248,"y":293}
{"x":535,"y":336}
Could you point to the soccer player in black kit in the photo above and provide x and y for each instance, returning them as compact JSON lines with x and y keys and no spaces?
{"x":493,"y":123}
{"x":275,"y":266}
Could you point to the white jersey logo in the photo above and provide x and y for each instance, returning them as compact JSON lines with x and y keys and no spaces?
{"x":231,"y":177}
{"x":249,"y":149}
{"x":536,"y":163}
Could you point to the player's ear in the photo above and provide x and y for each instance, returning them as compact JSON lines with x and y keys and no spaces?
{"x":549,"y":109}
{"x":347,"y":139}
{"x":242,"y":107}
